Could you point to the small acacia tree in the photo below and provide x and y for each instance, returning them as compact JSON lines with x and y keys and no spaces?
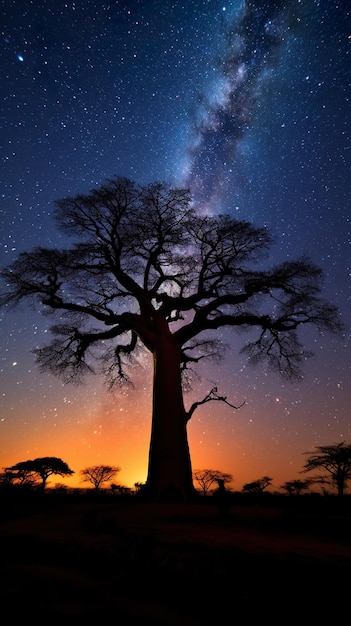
{"x":97,"y":475}
{"x":42,"y":468}
{"x":296,"y":487}
{"x":258,"y":486}
{"x":120,"y":490}
{"x":206,"y":478}
{"x":334,"y":462}
{"x":146,"y":271}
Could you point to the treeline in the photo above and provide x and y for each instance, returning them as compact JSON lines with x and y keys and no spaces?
{"x":328,"y":467}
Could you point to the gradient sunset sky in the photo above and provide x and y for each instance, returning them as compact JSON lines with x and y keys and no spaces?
{"x":248,"y":104}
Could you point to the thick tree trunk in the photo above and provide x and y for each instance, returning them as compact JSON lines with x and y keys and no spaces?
{"x":169,"y":472}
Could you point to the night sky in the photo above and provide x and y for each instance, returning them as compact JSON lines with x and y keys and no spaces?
{"x":248,"y":104}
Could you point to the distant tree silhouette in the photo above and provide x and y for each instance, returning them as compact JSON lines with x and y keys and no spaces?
{"x":120,"y":490}
{"x":139,"y":486}
{"x":258,"y":486}
{"x":296,"y":487}
{"x":149,"y":272}
{"x":60,"y":488}
{"x":97,"y":475}
{"x":41,"y":468}
{"x":19,"y":478}
{"x":334,"y":461}
{"x":206,"y":478}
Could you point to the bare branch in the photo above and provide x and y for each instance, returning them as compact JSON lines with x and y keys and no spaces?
{"x":210,"y":397}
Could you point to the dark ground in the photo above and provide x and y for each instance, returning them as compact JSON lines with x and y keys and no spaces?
{"x":68,"y":559}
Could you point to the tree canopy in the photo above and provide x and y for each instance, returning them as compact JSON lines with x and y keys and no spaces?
{"x":41,"y":467}
{"x":147,"y":272}
{"x":296,"y":487}
{"x":206,"y":478}
{"x":258,"y":486}
{"x":97,"y":475}
{"x":334,"y":462}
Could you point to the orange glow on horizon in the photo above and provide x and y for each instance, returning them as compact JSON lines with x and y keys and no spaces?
{"x":87,"y":426}
{"x":121,"y":436}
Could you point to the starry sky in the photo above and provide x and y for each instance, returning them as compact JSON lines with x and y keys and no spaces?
{"x":245,"y":102}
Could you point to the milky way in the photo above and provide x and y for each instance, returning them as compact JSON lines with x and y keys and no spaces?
{"x":251,"y":49}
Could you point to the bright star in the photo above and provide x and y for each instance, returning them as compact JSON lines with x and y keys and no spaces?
{"x":20,"y":57}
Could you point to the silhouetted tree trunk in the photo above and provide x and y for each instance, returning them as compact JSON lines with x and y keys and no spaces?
{"x":169,"y":471}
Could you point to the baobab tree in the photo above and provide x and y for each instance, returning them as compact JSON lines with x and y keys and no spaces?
{"x":146,"y":271}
